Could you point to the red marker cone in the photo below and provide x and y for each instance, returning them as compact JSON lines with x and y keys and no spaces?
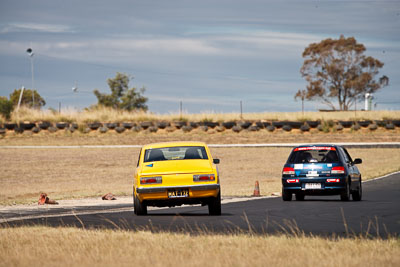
{"x":108,"y":196}
{"x":256,"y":190}
{"x":42,"y":199}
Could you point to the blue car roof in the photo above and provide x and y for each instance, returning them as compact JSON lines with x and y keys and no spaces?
{"x":322,"y":145}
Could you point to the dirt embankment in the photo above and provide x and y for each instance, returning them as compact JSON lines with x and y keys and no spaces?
{"x":210,"y":137}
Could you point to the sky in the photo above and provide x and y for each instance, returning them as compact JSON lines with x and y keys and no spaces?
{"x":208,"y":54}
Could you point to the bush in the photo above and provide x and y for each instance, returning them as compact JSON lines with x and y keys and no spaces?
{"x":305,"y":128}
{"x":270,"y":128}
{"x":187,"y":128}
{"x":338,"y":127}
{"x":389,"y":126}
{"x":325,"y":126}
{"x":287,"y":128}
{"x":6,"y":107}
{"x":356,"y":127}
{"x":373,"y":126}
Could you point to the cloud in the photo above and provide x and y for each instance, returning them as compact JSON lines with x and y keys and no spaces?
{"x":35,"y":27}
{"x":191,"y":100}
{"x":128,"y":47}
{"x":275,"y":39}
{"x":183,"y":45}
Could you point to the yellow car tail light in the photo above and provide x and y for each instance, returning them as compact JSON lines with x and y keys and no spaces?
{"x":151,"y":180}
{"x":203,"y":178}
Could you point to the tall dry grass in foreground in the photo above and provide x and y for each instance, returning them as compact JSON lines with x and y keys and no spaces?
{"x":34,"y":246}
{"x":84,"y":172}
{"x":112,"y":115}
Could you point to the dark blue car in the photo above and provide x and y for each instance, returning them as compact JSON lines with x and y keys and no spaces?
{"x":321,"y":170}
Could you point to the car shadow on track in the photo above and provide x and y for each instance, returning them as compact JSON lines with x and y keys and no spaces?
{"x":322,"y":200}
{"x":185,"y":214}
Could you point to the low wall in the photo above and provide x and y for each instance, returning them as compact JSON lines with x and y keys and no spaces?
{"x":234,"y":126}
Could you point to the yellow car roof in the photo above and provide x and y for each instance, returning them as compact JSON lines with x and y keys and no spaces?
{"x":172,"y":144}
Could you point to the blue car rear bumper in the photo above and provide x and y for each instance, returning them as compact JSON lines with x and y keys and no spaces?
{"x":326,"y":188}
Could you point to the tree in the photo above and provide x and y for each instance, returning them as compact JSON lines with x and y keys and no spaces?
{"x":6,"y":107}
{"x":121,"y":96}
{"x":339,"y":70}
{"x":27,"y":98}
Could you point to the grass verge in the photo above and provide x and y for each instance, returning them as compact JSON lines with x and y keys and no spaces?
{"x":84,"y":172}
{"x":34,"y":246}
{"x":112,"y":115}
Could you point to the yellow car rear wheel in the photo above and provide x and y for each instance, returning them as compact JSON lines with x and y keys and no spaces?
{"x":214,"y":206}
{"x":139,"y":208}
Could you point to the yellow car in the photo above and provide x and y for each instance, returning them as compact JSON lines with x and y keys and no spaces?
{"x":176,"y":173}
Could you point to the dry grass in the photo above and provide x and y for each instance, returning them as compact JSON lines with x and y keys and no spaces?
{"x":34,"y":246}
{"x":107,"y":115}
{"x":65,"y":173}
{"x":77,"y":173}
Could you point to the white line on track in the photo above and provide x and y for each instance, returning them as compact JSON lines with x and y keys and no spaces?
{"x":358,"y":144}
{"x":381,"y":177}
{"x":31,"y":208}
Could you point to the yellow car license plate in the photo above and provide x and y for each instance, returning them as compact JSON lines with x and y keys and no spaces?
{"x":176,"y":193}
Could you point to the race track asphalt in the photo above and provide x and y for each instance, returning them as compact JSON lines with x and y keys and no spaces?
{"x":377,"y":215}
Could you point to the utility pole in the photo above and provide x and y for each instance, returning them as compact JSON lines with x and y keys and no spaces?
{"x":241,"y":110}
{"x":20,"y":97}
{"x":355,"y":109}
{"x":180,"y":110}
{"x":30,"y":52}
{"x":302,"y":95}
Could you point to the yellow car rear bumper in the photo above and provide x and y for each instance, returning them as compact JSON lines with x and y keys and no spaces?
{"x":195,"y":191}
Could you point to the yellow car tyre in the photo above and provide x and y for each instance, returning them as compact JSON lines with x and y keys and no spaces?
{"x":214,"y":207}
{"x":138,"y":207}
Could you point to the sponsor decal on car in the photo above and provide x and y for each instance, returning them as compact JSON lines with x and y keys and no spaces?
{"x":314,"y":148}
{"x":298,"y":166}
{"x":312,"y":174}
{"x":313,"y":166}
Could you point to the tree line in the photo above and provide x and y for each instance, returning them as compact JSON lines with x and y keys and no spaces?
{"x":121,"y":97}
{"x":337,"y":71}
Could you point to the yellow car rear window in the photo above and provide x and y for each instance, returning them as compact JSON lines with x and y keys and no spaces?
{"x":175,"y":153}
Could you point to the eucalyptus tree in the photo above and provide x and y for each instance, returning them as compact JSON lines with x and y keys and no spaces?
{"x":122,"y":97}
{"x":338,"y":72}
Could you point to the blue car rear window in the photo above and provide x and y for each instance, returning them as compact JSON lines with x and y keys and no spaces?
{"x":314,"y":155}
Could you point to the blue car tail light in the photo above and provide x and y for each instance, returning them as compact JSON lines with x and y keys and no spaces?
{"x":337,"y":170}
{"x":288,"y":171}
